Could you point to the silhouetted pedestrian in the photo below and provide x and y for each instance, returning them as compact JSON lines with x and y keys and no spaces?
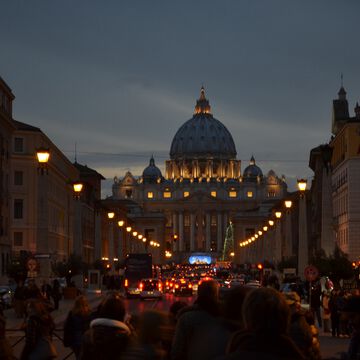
{"x":56,"y":293}
{"x":39,"y":326}
{"x":108,"y":335}
{"x":193,"y":320}
{"x":266,"y":318}
{"x":76,"y":323}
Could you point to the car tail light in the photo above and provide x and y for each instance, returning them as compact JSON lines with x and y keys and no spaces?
{"x":189,"y":286}
{"x":126,"y":283}
{"x":141,"y":285}
{"x":176,"y":286}
{"x":160,"y":286}
{"x":171,"y":284}
{"x":167,"y":283}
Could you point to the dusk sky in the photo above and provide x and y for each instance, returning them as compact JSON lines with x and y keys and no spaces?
{"x":118,"y":78}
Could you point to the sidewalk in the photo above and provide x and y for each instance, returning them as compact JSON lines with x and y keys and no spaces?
{"x":59,"y":316}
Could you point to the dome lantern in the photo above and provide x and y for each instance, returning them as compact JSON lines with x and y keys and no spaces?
{"x":202,"y":104}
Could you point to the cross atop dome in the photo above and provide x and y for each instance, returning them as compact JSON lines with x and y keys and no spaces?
{"x":202,"y":104}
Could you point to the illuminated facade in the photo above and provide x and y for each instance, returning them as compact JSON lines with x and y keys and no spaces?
{"x":203,"y":188}
{"x":345,"y":177}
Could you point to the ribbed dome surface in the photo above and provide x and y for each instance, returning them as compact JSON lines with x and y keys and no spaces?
{"x":202,"y":136}
{"x":252,"y":171}
{"x":152,"y":172}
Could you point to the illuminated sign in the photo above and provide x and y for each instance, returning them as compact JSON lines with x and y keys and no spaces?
{"x":200,"y":259}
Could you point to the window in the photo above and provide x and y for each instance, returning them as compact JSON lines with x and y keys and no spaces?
{"x":18,"y":238}
{"x":249,"y":194}
{"x":18,"y":145}
{"x":18,"y":208}
{"x":128,"y":193}
{"x":186,"y":194}
{"x":213,"y":193}
{"x":232,"y":193}
{"x":18,"y":178}
{"x":167,"y":194}
{"x":271,"y":194}
{"x":150,"y":195}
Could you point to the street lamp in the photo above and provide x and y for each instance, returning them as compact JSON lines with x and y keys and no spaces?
{"x":43,"y":155}
{"x":288,"y":204}
{"x":302,"y":186}
{"x":77,"y":187}
{"x":278,"y":214}
{"x":121,"y":223}
{"x":271,"y":222}
{"x":110,"y":215}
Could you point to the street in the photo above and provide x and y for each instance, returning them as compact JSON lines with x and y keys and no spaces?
{"x":331,"y":348}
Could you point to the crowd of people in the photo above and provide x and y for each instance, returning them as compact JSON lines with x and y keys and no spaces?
{"x":247,"y":323}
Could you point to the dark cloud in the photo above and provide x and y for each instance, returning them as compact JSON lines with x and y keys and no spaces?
{"x":121,"y":77}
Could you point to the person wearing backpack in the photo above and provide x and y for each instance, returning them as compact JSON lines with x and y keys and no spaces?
{"x":76,"y":323}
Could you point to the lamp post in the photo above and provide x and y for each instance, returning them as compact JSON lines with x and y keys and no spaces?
{"x":121,"y":241}
{"x":43,"y":246}
{"x":111,"y":216}
{"x":77,"y":187}
{"x":277,"y":253}
{"x":287,"y":251}
{"x":303,"y":255}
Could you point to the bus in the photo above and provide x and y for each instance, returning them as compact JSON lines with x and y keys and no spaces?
{"x":137,"y":267}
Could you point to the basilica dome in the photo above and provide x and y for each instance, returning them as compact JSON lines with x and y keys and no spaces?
{"x":252,"y":171}
{"x":151,"y":173}
{"x":203,"y":136}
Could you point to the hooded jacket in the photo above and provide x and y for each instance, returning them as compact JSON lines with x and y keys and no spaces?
{"x":106,"y":339}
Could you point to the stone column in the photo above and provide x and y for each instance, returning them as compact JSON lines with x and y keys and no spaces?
{"x":277,"y":252}
{"x":181,"y":240}
{"x":219,"y":233}
{"x":192,"y":232}
{"x":287,"y":251}
{"x":208,"y":232}
{"x":111,"y":246}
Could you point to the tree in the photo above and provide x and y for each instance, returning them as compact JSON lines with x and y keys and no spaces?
{"x":337,"y":266}
{"x":71,"y":267}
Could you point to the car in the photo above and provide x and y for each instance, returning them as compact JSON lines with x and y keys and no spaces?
{"x":150,"y":289}
{"x":6,"y":296}
{"x":235,"y":282}
{"x":253,"y":284}
{"x":183,"y":287}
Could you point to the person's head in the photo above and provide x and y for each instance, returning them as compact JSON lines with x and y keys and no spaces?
{"x":208,"y":296}
{"x":36,"y":308}
{"x":81,"y":306}
{"x":265,"y":311}
{"x":176,"y":307}
{"x":112,"y":308}
{"x":151,"y":325}
{"x":233,"y":302}
{"x":293,"y":300}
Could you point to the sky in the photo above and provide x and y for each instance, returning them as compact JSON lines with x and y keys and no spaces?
{"x":118,"y":78}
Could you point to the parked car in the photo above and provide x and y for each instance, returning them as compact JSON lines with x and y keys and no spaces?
{"x":150,"y":289}
{"x":6,"y":296}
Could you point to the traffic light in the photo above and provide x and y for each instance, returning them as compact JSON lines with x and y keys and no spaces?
{"x":175,"y":237}
{"x":354,"y":265}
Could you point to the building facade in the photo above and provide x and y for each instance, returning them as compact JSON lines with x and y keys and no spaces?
{"x":7,"y":127}
{"x":203,"y":189}
{"x":345,"y":186}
